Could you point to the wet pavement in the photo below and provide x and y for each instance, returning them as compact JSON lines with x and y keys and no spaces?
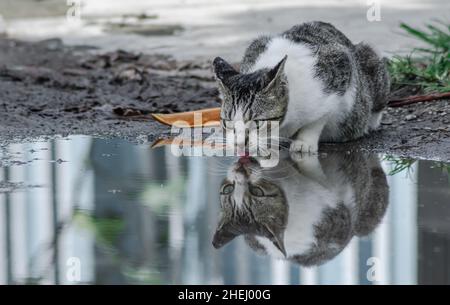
{"x":48,"y":89}
{"x":82,"y":209}
{"x":104,"y":74}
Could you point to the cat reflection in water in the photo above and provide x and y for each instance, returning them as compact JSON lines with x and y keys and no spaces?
{"x":305,"y":211}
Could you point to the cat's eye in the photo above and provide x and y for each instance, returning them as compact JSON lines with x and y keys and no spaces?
{"x":256,"y":191}
{"x":227,"y":189}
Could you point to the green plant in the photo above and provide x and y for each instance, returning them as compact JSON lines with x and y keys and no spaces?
{"x":399,"y":164}
{"x":106,"y":230}
{"x":159,"y":196}
{"x":425,"y":67}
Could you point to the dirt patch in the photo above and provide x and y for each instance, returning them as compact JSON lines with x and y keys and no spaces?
{"x":420,"y":130}
{"x":49,"y":89}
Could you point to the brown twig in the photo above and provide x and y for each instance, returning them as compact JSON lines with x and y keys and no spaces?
{"x":418,"y":99}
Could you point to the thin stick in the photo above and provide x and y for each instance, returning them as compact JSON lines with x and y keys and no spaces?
{"x":418,"y":99}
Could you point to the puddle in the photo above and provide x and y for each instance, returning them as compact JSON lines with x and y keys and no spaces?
{"x":87,"y":210}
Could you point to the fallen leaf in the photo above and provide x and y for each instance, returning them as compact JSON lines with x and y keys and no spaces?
{"x":209,"y":117}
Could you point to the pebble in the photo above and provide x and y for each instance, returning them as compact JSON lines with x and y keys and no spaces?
{"x":410,"y":117}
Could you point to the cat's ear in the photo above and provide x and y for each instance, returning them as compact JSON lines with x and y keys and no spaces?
{"x":223,"y":70}
{"x":274,"y":74}
{"x":277,"y":239}
{"x":223,"y":235}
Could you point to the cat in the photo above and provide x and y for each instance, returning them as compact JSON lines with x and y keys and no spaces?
{"x":306,"y":210}
{"x":312,"y":80}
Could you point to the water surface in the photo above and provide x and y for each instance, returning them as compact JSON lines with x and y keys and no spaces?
{"x":86,"y":210}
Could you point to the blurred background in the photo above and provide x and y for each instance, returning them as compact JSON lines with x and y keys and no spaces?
{"x":207,"y":28}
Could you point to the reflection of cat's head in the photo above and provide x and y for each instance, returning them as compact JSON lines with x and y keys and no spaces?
{"x":305,"y":211}
{"x":251,"y":204}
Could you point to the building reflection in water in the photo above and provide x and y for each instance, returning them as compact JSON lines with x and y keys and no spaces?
{"x":129,"y":214}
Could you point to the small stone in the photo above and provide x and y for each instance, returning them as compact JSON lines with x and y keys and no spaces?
{"x":410,"y":117}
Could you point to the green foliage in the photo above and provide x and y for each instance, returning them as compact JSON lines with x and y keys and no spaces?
{"x":159,"y":196}
{"x":399,"y":164}
{"x":426,"y":67}
{"x":142,"y":275}
{"x":106,"y":230}
{"x":405,"y":164}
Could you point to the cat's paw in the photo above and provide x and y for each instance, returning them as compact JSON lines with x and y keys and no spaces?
{"x":299,"y":146}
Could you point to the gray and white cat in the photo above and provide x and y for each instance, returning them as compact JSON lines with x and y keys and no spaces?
{"x":311,"y":79}
{"x":306,"y":210}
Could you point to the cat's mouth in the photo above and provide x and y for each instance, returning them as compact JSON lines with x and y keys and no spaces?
{"x":244,"y":164}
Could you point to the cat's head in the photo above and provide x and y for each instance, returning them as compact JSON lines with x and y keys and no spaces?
{"x":258,"y":96}
{"x":251,"y":205}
